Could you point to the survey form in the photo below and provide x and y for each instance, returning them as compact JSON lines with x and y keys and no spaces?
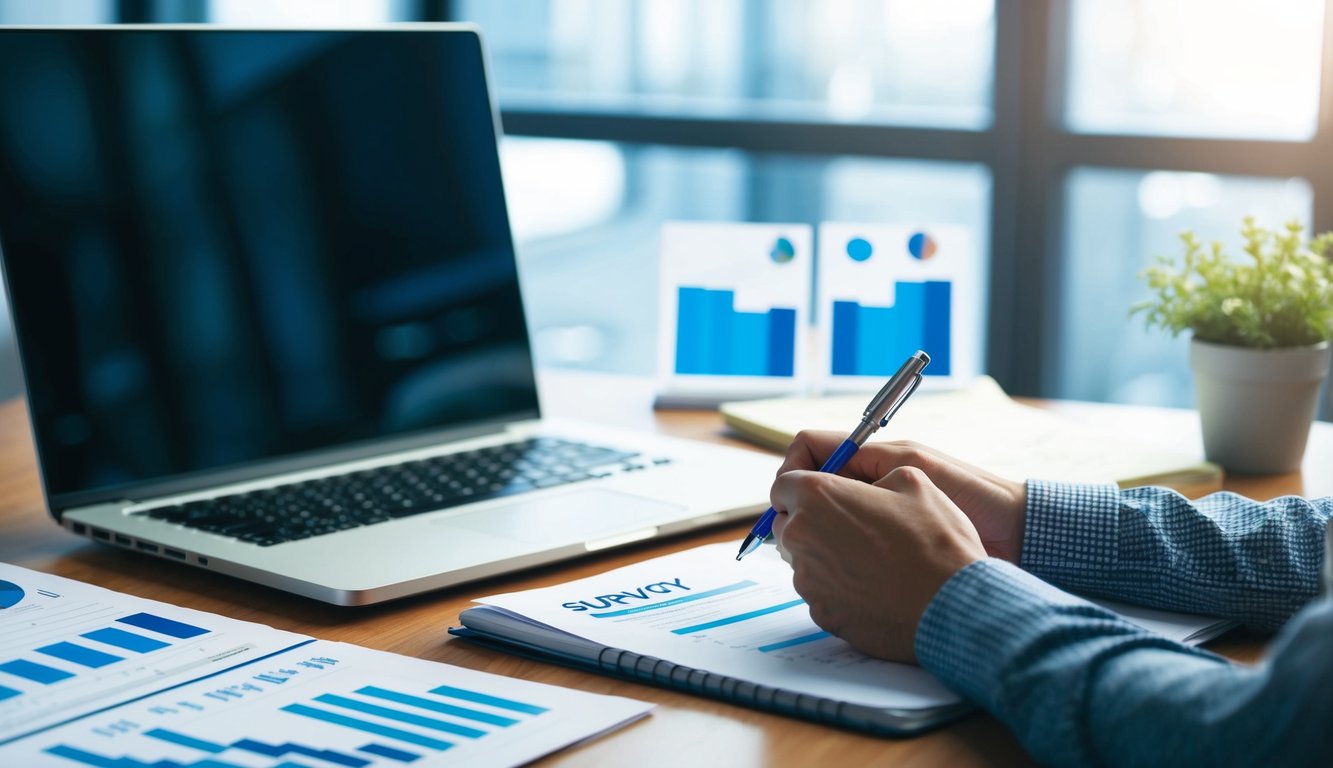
{"x":703,"y":609}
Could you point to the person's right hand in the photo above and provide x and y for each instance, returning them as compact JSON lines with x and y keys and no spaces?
{"x":996,"y":506}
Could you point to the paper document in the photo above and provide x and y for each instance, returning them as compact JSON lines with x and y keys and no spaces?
{"x":326,"y":703}
{"x":91,"y":677}
{"x":982,"y":426}
{"x":703,"y":609}
{"x":66,"y":647}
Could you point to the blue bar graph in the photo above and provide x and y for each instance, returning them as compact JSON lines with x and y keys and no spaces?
{"x":79,"y":654}
{"x":874,"y":341}
{"x":38,"y":673}
{"x":737,"y":618}
{"x":441,"y":707}
{"x":802,"y":640}
{"x":257,"y":747}
{"x":8,"y":693}
{"x":101,"y":761}
{"x":714,"y":338}
{"x":389,"y":713}
{"x":410,"y":737}
{"x":167,"y":627}
{"x":380,"y":750}
{"x":487,"y":699}
{"x":171,"y":737}
{"x":364,"y":710}
{"x":127,"y":640}
{"x":278,"y":750}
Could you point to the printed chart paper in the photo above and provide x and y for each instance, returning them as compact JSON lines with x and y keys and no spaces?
{"x":67,"y":647}
{"x":886,"y":291}
{"x":91,"y":678}
{"x":734,"y":305}
{"x":327,"y":703}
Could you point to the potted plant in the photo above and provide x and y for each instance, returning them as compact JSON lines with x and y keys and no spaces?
{"x":1260,"y":348}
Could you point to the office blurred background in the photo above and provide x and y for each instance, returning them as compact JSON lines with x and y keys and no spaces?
{"x":1075,"y":138}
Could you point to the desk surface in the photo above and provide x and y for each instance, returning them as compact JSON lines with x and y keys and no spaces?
{"x":683,"y":729}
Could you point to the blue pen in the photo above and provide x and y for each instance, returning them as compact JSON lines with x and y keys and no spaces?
{"x":877,"y":414}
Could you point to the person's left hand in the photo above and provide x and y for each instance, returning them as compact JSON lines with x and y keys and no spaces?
{"x":868,"y":559}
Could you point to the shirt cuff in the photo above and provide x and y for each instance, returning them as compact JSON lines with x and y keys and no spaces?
{"x":1070,"y":530}
{"x":986,"y":614}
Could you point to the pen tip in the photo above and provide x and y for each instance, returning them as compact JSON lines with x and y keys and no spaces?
{"x":745,"y":545}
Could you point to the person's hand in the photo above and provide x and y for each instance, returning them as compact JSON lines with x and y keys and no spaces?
{"x":996,"y":506}
{"x":868,"y":559}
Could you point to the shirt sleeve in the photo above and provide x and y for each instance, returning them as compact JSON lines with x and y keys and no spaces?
{"x":1081,"y":686}
{"x":1224,"y":555}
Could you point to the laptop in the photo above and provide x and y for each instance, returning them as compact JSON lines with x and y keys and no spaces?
{"x":268,"y":311}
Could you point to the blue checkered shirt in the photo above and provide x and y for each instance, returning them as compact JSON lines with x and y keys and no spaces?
{"x":1080,"y":686}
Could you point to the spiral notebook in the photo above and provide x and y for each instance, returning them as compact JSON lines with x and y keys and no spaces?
{"x":701,"y":622}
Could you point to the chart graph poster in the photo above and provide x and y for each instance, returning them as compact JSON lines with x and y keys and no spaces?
{"x":66,"y":646}
{"x":331,"y":704}
{"x":734,"y":300}
{"x":886,"y":291}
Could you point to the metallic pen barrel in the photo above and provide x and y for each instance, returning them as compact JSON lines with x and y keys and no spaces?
{"x":877,"y":413}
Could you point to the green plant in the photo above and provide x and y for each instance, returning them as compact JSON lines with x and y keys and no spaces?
{"x":1281,"y":296}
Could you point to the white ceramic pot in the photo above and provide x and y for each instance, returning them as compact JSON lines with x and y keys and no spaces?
{"x":1256,"y":405}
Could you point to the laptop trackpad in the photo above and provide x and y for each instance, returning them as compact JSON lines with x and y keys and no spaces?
{"x":569,"y":517}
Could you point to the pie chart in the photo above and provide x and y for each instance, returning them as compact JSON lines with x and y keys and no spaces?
{"x":922,"y":246}
{"x":10,"y":594}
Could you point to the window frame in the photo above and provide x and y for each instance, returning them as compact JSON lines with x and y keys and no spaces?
{"x":1026,"y":148}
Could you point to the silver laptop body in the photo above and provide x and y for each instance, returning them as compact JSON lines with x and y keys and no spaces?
{"x":261,"y":266}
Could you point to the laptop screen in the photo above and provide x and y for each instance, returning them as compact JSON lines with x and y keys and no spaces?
{"x":224,"y":247}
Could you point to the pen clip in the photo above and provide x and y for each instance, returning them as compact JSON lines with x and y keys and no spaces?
{"x":916,"y":382}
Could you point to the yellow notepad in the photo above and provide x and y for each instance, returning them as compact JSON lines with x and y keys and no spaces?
{"x":983,"y":426}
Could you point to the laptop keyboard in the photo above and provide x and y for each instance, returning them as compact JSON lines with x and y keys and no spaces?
{"x":329,"y":504}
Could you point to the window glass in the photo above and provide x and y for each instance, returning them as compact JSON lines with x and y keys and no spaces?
{"x":587,"y":239}
{"x":589,"y":258}
{"x":56,"y":12}
{"x":271,"y":13}
{"x":1215,"y":68}
{"x":897,"y":61}
{"x":1119,"y":222}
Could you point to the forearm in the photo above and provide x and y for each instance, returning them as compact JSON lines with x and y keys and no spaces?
{"x":1079,"y":686}
{"x":1223,"y":555}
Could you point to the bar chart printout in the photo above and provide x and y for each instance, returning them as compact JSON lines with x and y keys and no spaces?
{"x":714,"y":338}
{"x":330,"y":703}
{"x":66,"y":646}
{"x":873,"y":341}
{"x":733,"y":301}
{"x":886,"y":291}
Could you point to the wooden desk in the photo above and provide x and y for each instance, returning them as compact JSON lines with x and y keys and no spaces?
{"x":683,"y":729}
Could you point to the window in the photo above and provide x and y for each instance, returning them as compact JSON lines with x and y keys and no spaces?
{"x":267,"y":13}
{"x":894,"y":61}
{"x":589,"y":220}
{"x":1216,"y":68}
{"x":1118,"y":223}
{"x":1075,"y":138}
